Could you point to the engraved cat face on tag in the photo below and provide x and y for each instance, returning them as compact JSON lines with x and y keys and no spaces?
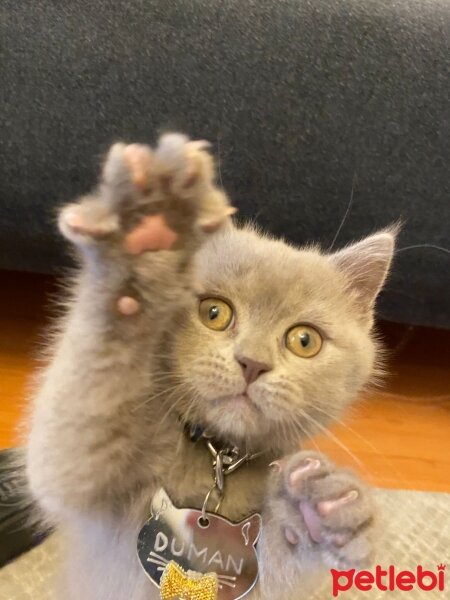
{"x":220,"y":546}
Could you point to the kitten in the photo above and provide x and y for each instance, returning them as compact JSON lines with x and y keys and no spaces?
{"x":178,"y":316}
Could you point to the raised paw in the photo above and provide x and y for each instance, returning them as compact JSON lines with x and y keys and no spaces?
{"x":150,"y":199}
{"x":325,"y":508}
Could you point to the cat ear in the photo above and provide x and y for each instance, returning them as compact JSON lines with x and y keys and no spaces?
{"x":366,"y":265}
{"x":250,"y":529}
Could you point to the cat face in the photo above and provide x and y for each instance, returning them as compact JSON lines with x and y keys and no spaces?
{"x":278,"y":341}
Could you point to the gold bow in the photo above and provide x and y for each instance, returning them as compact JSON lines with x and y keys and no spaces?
{"x":176,"y":584}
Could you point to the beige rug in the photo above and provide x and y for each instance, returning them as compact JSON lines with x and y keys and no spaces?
{"x":417,"y":532}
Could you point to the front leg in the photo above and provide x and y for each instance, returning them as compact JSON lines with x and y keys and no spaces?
{"x":91,"y":426}
{"x":317,"y":517}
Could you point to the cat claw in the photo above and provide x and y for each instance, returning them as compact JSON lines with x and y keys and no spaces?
{"x":299,"y":473}
{"x":328,"y":506}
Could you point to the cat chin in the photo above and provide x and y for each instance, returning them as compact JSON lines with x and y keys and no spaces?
{"x":241,"y":404}
{"x":234,"y":420}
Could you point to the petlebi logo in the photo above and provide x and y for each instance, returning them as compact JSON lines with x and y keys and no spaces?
{"x":388,"y":579}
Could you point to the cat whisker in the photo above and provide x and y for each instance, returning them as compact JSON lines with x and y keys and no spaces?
{"x":332,"y":437}
{"x":308,"y":435}
{"x":292,"y":430}
{"x":172,"y":407}
{"x":296,"y":425}
{"x":371,"y":446}
{"x":347,"y":211}
{"x":163,"y":377}
{"x":190,"y":408}
{"x":287,"y":431}
{"x":158,"y":395}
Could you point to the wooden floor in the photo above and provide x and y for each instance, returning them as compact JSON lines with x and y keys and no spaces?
{"x":399,"y":437}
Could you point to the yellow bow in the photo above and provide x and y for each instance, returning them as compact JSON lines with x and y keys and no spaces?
{"x":176,"y":584}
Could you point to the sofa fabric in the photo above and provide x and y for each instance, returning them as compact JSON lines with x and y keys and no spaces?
{"x":307,"y":103}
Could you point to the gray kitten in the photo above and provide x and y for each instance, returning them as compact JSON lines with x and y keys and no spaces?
{"x":178,"y":316}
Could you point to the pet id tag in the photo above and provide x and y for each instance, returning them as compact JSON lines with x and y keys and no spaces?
{"x":193,"y":558}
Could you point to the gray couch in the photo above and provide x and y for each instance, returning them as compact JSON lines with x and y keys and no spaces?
{"x":306,"y":101}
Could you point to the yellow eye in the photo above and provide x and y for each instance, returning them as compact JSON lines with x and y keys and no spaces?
{"x":304,"y":341}
{"x":215,"y":313}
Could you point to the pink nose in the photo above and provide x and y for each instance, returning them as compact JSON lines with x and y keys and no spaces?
{"x":252,"y":369}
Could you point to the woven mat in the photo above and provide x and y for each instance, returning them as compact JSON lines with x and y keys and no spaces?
{"x":417,"y":532}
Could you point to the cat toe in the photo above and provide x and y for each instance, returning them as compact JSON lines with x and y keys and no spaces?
{"x":86,"y":221}
{"x":300,"y":468}
{"x":341,"y":500}
{"x":126,"y":170}
{"x":138,"y":159}
{"x":339,"y":515}
{"x":184,"y":163}
{"x":327,"y":507}
{"x":187,"y":170}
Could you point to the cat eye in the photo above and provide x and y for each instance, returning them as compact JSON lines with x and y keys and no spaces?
{"x":304,"y":341}
{"x":215,"y":313}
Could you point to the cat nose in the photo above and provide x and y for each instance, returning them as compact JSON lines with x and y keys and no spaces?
{"x":252,"y":369}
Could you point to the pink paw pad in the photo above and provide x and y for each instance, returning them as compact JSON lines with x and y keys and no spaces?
{"x":151,"y":234}
{"x":291,"y":536}
{"x":312,"y":521}
{"x":127,"y":306}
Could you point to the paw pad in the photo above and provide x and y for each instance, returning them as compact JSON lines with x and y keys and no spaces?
{"x":152,"y":233}
{"x":291,"y":536}
{"x":127,"y":306}
{"x":312,"y":521}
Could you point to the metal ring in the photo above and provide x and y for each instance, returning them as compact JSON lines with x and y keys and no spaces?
{"x":206,"y":500}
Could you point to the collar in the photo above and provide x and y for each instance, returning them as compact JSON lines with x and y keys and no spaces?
{"x":231,"y":456}
{"x":194,"y":432}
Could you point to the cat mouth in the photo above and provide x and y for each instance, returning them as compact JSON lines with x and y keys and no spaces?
{"x":240,"y":402}
{"x":243,"y":401}
{"x":241,"y":398}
